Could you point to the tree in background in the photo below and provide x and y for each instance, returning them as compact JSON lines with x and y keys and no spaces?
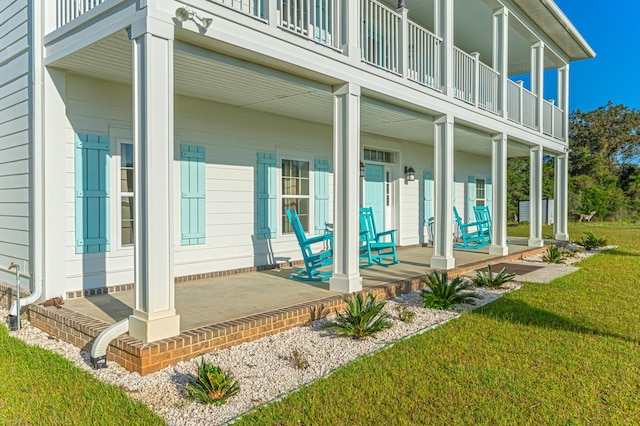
{"x":604,"y":175}
{"x":605,"y":150}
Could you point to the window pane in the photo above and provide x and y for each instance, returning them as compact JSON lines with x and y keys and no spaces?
{"x":126,"y":167}
{"x":480,"y":188}
{"x":126,"y":180}
{"x":127,"y":220}
{"x":301,"y":205}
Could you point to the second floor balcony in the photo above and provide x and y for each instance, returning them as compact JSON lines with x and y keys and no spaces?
{"x":404,"y":42}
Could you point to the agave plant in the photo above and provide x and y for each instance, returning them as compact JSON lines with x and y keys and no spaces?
{"x":554,"y":255}
{"x":442,"y":294}
{"x":591,"y":241}
{"x":211,"y":385}
{"x":362,"y":318}
{"x":491,"y":280}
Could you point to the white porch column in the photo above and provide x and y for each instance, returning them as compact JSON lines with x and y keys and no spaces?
{"x":499,"y":179}
{"x":154,"y":315}
{"x":537,"y":79}
{"x":346,"y":177}
{"x":561,"y":198}
{"x":443,"y":194}
{"x":501,"y":53}
{"x":563,"y":99}
{"x":443,"y":13}
{"x":351,"y":29}
{"x":535,"y":198}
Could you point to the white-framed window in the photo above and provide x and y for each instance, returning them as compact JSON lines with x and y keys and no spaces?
{"x":295,"y":192}
{"x":125,"y":193}
{"x":481,"y":196}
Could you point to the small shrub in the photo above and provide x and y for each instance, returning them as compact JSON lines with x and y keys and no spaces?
{"x":405,"y":314}
{"x":361,"y":319}
{"x":554,"y":255}
{"x":440,"y":294}
{"x":211,"y":385}
{"x":298,"y":360}
{"x":491,"y":280}
{"x":591,"y":241}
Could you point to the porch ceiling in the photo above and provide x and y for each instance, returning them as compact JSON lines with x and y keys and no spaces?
{"x":211,"y":76}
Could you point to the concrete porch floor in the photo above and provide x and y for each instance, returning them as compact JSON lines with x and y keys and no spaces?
{"x":215,"y":300}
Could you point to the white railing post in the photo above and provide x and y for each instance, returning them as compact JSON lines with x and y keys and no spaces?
{"x":476,"y":77}
{"x":273,"y":12}
{"x":403,"y":42}
{"x":552,"y":114}
{"x":352,"y":19}
{"x":501,"y":55}
{"x":521,"y":100}
{"x":563,"y":99}
{"x":537,"y":80}
{"x":443,"y":13}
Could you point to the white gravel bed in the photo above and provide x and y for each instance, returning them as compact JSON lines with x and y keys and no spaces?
{"x":575,"y":257}
{"x":264,"y":368}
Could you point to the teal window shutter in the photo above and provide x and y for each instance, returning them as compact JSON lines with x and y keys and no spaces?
{"x":321,"y":195}
{"x":427,"y":177}
{"x":92,"y":193}
{"x":488,"y":194}
{"x":267,"y":196}
{"x":193,"y":195}
{"x":471,"y":195}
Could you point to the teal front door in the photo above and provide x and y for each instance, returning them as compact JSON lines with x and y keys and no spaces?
{"x":374,"y":193}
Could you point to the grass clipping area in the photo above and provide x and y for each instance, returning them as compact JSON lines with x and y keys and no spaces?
{"x":567,"y":352}
{"x":38,"y":387}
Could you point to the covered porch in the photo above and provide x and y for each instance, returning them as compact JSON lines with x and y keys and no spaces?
{"x":229,"y":310}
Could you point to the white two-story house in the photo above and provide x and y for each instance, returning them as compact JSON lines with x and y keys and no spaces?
{"x":190,"y":127}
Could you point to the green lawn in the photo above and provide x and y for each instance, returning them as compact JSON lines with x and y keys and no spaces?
{"x":38,"y":387}
{"x":561,"y":353}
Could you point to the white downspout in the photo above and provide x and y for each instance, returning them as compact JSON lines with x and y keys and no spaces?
{"x":100,"y":345}
{"x":37,"y":163}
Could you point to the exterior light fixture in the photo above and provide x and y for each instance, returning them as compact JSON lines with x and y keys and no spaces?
{"x":184,"y":14}
{"x":361,"y":169}
{"x":409,"y":174}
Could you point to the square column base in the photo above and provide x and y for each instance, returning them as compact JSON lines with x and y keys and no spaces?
{"x":345,"y":283}
{"x":442,"y":262}
{"x":499,"y":250}
{"x":156,"y":329}
{"x":561,"y":237}
{"x":535,"y":242}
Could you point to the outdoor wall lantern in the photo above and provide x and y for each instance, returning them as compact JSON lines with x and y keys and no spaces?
{"x":409,"y":174}
{"x":184,"y":14}
{"x":361,"y":169}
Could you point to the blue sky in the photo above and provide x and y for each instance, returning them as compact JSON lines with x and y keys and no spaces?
{"x":611,"y":28}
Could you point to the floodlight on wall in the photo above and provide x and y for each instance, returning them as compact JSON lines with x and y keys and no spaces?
{"x":361,"y":169}
{"x":184,"y":14}
{"x":409,"y":174}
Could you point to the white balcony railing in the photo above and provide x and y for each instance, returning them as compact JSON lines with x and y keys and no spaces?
{"x":514,"y":101}
{"x":424,"y":57}
{"x":529,"y":101}
{"x":488,"y":82}
{"x":547,"y":117}
{"x":319,"y":20}
{"x":464,"y":76}
{"x":558,"y":123}
{"x":68,"y":10}
{"x":248,"y":7}
{"x":379,"y":38}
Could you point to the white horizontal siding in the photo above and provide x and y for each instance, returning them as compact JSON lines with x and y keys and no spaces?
{"x":15,"y":135}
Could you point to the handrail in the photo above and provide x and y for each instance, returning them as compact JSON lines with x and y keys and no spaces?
{"x":547,"y":117}
{"x":514,"y":97}
{"x":379,"y":36}
{"x":529,"y":101}
{"x":318,"y":20}
{"x":464,"y":66}
{"x":488,"y":81}
{"x":424,"y":56}
{"x":558,"y":123}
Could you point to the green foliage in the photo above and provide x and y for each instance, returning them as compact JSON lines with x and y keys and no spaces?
{"x":488,"y":279}
{"x":405,"y":313}
{"x":298,"y":360}
{"x":554,"y":255}
{"x":211,"y":385}
{"x":362,"y":318}
{"x":591,"y":241}
{"x":442,"y":294}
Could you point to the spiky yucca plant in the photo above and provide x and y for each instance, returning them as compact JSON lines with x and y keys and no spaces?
{"x":591,"y":241}
{"x":211,"y":385}
{"x":491,"y":280}
{"x":442,"y":294}
{"x":362,"y":318}
{"x":554,"y":255}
